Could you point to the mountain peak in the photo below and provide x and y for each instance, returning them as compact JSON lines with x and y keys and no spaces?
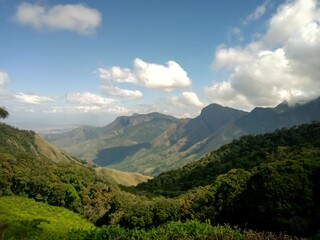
{"x":219,"y":113}
{"x":282,"y":107}
{"x":136,"y":119}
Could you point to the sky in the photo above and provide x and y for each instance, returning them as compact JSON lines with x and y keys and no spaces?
{"x":65,"y":64}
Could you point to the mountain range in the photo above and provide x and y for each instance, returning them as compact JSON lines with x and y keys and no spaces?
{"x":153,"y":143}
{"x":267,"y":182}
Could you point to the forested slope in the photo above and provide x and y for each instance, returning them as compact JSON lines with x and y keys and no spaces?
{"x":267,"y":182}
{"x":26,"y":170}
{"x":245,"y":153}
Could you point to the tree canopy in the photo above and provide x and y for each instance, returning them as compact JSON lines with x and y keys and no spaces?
{"x":3,"y":113}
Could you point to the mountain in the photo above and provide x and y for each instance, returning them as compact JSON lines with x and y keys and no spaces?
{"x":97,"y":143}
{"x":262,"y":120}
{"x":154,"y":143}
{"x":210,"y":120}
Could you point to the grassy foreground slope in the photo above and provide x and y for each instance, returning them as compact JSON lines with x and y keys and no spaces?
{"x":28,"y":219}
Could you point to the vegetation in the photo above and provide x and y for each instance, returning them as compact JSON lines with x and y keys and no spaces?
{"x":3,"y":113}
{"x":27,"y":219}
{"x":297,"y":143}
{"x":267,"y":182}
{"x":23,"y":171}
{"x":191,"y":229}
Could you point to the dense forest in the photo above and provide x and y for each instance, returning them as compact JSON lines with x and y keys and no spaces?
{"x":266,"y":183}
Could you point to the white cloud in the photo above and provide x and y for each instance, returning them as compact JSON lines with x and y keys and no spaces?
{"x":32,"y":98}
{"x":275,"y":67}
{"x":118,"y":110}
{"x":235,"y":34}
{"x":303,"y":49}
{"x":148,"y":75}
{"x":290,"y":17}
{"x":87,"y":109}
{"x":4,"y":77}
{"x":71,"y":17}
{"x":231,"y":57}
{"x":257,"y":13}
{"x":111,"y":90}
{"x":186,"y":99}
{"x":88,"y":98}
{"x":157,"y":76}
{"x":115,"y":110}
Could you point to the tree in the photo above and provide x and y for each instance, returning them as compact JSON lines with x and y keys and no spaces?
{"x":3,"y":113}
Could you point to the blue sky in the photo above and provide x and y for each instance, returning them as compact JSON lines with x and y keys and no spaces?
{"x":70,"y":63}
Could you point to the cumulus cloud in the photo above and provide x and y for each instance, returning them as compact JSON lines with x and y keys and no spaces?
{"x":149,"y":75}
{"x":231,"y":57}
{"x":278,"y":66}
{"x":289,"y":19}
{"x":32,"y":98}
{"x":88,"y":98}
{"x":71,"y":17}
{"x":186,"y":99}
{"x":115,"y":91}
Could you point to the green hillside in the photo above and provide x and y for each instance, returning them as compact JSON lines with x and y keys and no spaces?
{"x":42,"y":173}
{"x":265,"y":182}
{"x":26,"y":219}
{"x":245,"y":153}
{"x":268,"y":182}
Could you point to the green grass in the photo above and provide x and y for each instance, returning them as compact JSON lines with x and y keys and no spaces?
{"x":28,"y":219}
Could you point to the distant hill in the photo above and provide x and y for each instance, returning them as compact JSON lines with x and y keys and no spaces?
{"x":262,"y":120}
{"x":154,"y":143}
{"x":129,"y":133}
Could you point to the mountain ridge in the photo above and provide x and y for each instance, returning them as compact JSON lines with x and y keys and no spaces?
{"x":185,"y":140}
